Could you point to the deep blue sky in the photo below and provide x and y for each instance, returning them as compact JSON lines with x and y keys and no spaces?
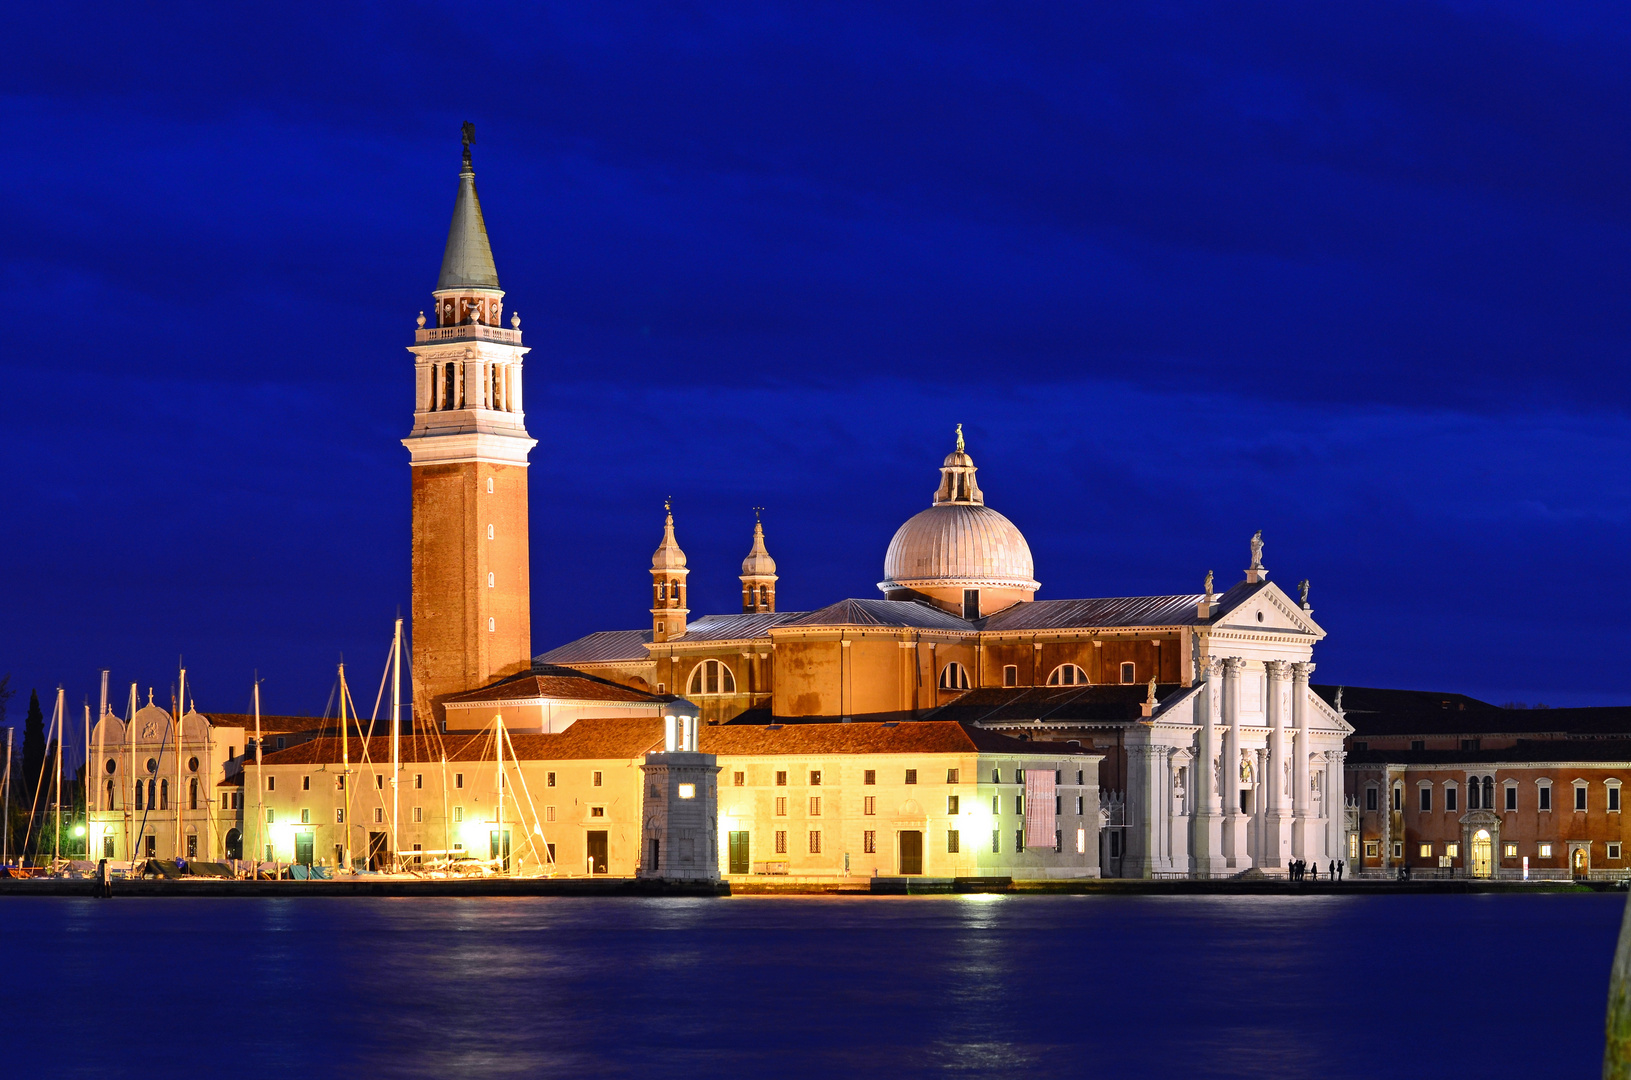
{"x":1355,"y":275}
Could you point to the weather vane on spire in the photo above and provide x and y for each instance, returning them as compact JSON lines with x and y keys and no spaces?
{"x":469,"y":131}
{"x":668,"y":504}
{"x":959,"y":438}
{"x":757,"y":510}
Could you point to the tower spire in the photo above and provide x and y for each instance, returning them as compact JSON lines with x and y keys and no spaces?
{"x":758,"y":572}
{"x":468,"y":261}
{"x":668,"y":573}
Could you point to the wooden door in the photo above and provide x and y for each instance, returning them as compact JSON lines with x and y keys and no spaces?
{"x":303,"y":844}
{"x":499,"y":840}
{"x":597,"y":853}
{"x":911,"y":852}
{"x":740,"y":856}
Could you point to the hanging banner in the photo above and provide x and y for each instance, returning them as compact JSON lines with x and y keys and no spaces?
{"x":1039,"y":805}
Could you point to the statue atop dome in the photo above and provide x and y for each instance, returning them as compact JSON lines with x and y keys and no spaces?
{"x":957,"y":483}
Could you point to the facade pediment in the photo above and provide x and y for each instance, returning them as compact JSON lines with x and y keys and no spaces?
{"x":1270,"y":609}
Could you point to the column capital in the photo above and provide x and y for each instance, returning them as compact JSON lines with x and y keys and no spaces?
{"x":1277,"y":669}
{"x":1232,"y":665}
{"x":1301,"y":670}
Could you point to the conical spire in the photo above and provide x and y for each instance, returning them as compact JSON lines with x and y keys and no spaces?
{"x":758,"y":563}
{"x":957,"y":477}
{"x":668,"y":555}
{"x":468,"y":261}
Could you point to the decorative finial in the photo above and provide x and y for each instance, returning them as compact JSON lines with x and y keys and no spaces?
{"x":421,"y":320}
{"x":1257,"y":550}
{"x":515,"y":320}
{"x":1302,"y":587}
{"x":1209,"y":585}
{"x":668,"y":505}
{"x":959,"y":438}
{"x":757,"y":510}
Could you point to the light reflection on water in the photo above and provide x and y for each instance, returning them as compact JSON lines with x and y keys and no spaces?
{"x":1331,"y":986}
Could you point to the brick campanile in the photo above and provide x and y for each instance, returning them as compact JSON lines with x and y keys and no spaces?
{"x":468,"y":458}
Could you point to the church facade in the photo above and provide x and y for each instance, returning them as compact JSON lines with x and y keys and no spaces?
{"x":1213,"y":754}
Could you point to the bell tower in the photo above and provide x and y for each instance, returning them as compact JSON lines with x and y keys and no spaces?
{"x":467,"y":457}
{"x":758,"y":572}
{"x":668,"y":573}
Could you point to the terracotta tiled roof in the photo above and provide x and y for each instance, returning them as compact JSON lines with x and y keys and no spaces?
{"x":273,"y":725}
{"x":552,"y":681}
{"x":617,"y":738}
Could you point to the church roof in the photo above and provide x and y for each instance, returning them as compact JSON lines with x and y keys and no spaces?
{"x":1052,"y":704}
{"x":468,"y":260}
{"x":604,"y":646}
{"x":552,"y":681}
{"x":1175,"y":610}
{"x":755,"y":624}
{"x":908,"y":613}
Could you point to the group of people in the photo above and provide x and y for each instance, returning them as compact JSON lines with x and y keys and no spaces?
{"x":1303,"y":870}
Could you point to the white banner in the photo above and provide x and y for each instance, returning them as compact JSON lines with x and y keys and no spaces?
{"x":1039,"y":817}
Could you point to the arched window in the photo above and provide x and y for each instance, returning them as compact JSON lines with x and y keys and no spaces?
{"x":764,"y":595}
{"x":711,"y":677}
{"x":1129,"y":673}
{"x":1489,"y":793}
{"x":489,"y":579}
{"x":954,"y":676}
{"x":164,"y":794}
{"x":192,"y":794}
{"x":1067,"y":675}
{"x":140,"y":804}
{"x":109,"y":804}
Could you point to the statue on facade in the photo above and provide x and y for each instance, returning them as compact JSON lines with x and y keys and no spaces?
{"x":1337,"y":705}
{"x":1286,"y":786}
{"x":1208,"y":585}
{"x":1151,"y":699}
{"x":1302,"y":587}
{"x":959,"y":438}
{"x":1257,"y":550}
{"x":1245,"y":767}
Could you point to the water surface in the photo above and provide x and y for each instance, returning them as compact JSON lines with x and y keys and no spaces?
{"x":1486,"y":986}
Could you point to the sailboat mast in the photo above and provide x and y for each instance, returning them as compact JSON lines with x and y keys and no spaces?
{"x":260,"y":784}
{"x":87,"y":777}
{"x":5,"y":837}
{"x":345,"y":778}
{"x":101,"y":744}
{"x":498,"y":763}
{"x":396,"y":738}
{"x":132,"y":798}
{"x":181,"y":706}
{"x":56,"y":843}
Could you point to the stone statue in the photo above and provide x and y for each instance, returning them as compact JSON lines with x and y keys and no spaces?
{"x":1208,"y":584}
{"x":1338,"y":703}
{"x":1257,"y":550}
{"x":1314,"y":780}
{"x":959,"y":438}
{"x":1151,"y":699}
{"x":1286,"y":769}
{"x":1245,"y":768}
{"x":1302,"y":587}
{"x":1217,"y":770}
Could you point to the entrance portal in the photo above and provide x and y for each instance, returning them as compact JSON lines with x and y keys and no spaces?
{"x":595,"y":842}
{"x":1581,"y":862}
{"x":911,"y":852}
{"x":1482,"y":860}
{"x":303,"y":844}
{"x":740,"y":863}
{"x":499,"y":844}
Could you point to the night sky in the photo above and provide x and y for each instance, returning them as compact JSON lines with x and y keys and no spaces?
{"x":1354,"y":275}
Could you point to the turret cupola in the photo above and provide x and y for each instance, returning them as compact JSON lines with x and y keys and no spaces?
{"x":668,"y":571}
{"x":758,"y":572}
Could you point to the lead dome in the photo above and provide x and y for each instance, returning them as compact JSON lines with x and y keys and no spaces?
{"x":959,"y":554}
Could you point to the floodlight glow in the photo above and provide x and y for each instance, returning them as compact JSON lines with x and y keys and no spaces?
{"x":79,"y":830}
{"x":688,"y":791}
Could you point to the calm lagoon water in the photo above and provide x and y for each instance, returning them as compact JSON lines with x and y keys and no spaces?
{"x":1485,"y":986}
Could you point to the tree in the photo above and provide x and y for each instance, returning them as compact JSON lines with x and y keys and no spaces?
{"x":33,"y":746}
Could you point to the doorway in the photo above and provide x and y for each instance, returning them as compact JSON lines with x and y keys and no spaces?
{"x":235,"y":844}
{"x":499,"y":844}
{"x":740,"y":863}
{"x":911,"y":852}
{"x":303,"y":844}
{"x":379,"y":850}
{"x":1482,"y":852}
{"x":1580,"y":862}
{"x":597,"y":853}
{"x":152,"y":846}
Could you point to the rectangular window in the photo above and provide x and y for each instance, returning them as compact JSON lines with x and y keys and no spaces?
{"x":1079,"y":773}
{"x":1546,"y":797}
{"x":996,"y":804}
{"x":815,"y":805}
{"x":1453,"y":850}
{"x":869,"y":842}
{"x":1398,"y":849}
{"x":911,"y":776}
{"x":781,"y":778}
{"x":1469,"y":744}
{"x":305,"y":816}
{"x":1613,"y":800}
{"x":1580,"y":797}
{"x":418,"y":814}
{"x":419,"y":781}
{"x":305,"y":783}
{"x":1010,"y":674}
{"x":1370,"y":799}
{"x":1509,"y":851}
{"x":1426,"y":851}
{"x":1019,"y":776}
{"x":869,"y":805}
{"x":549,"y":813}
{"x":549,"y":779}
{"x":458,"y":814}
{"x":280,"y":742}
{"x":379,"y":814}
{"x":379,"y":783}
{"x":271,"y":783}
{"x":1078,"y":805}
{"x":688,"y":791}
{"x":996,"y":841}
{"x":269,"y":817}
{"x":781,"y":806}
{"x":1081,"y":841}
{"x":597,"y":779}
{"x":1019,"y":841}
{"x":1546,"y":851}
{"x":781,"y":841}
{"x":1512,"y":796}
{"x":458,"y":779}
{"x":996,"y":776}
{"x":1450,"y":798}
{"x":952,"y":775}
{"x":1398,"y":797}
{"x":1614,"y":851}
{"x":339,"y":781}
{"x":815,"y":777}
{"x":339,"y":815}
{"x":597,"y":811}
{"x":870,"y":776}
{"x":952,"y":841}
{"x":1019,"y":805}
{"x":815,"y":841}
{"x":951,"y":804}
{"x":739,"y":779}
{"x":1426,"y":795}
{"x":1417,"y":744}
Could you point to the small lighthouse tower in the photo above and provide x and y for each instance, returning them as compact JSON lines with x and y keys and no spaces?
{"x":679,"y":836}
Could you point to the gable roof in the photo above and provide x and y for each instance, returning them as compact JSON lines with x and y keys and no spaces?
{"x":903,"y":613}
{"x":603,"y":646}
{"x":552,"y":681}
{"x":752,"y":624}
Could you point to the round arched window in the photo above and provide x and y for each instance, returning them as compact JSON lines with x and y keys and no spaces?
{"x":954,"y":676}
{"x":711,"y":677}
{"x":1068,"y":675}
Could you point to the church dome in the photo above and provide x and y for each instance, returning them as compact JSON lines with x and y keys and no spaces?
{"x":959,"y":542}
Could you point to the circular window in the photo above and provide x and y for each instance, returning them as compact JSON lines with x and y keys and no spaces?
{"x":1259,"y":616}
{"x":112,"y":764}
{"x":152,"y":765}
{"x":192,"y":763}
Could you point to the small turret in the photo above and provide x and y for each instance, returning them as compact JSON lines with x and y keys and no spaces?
{"x":758,"y":572}
{"x":668,"y":571}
